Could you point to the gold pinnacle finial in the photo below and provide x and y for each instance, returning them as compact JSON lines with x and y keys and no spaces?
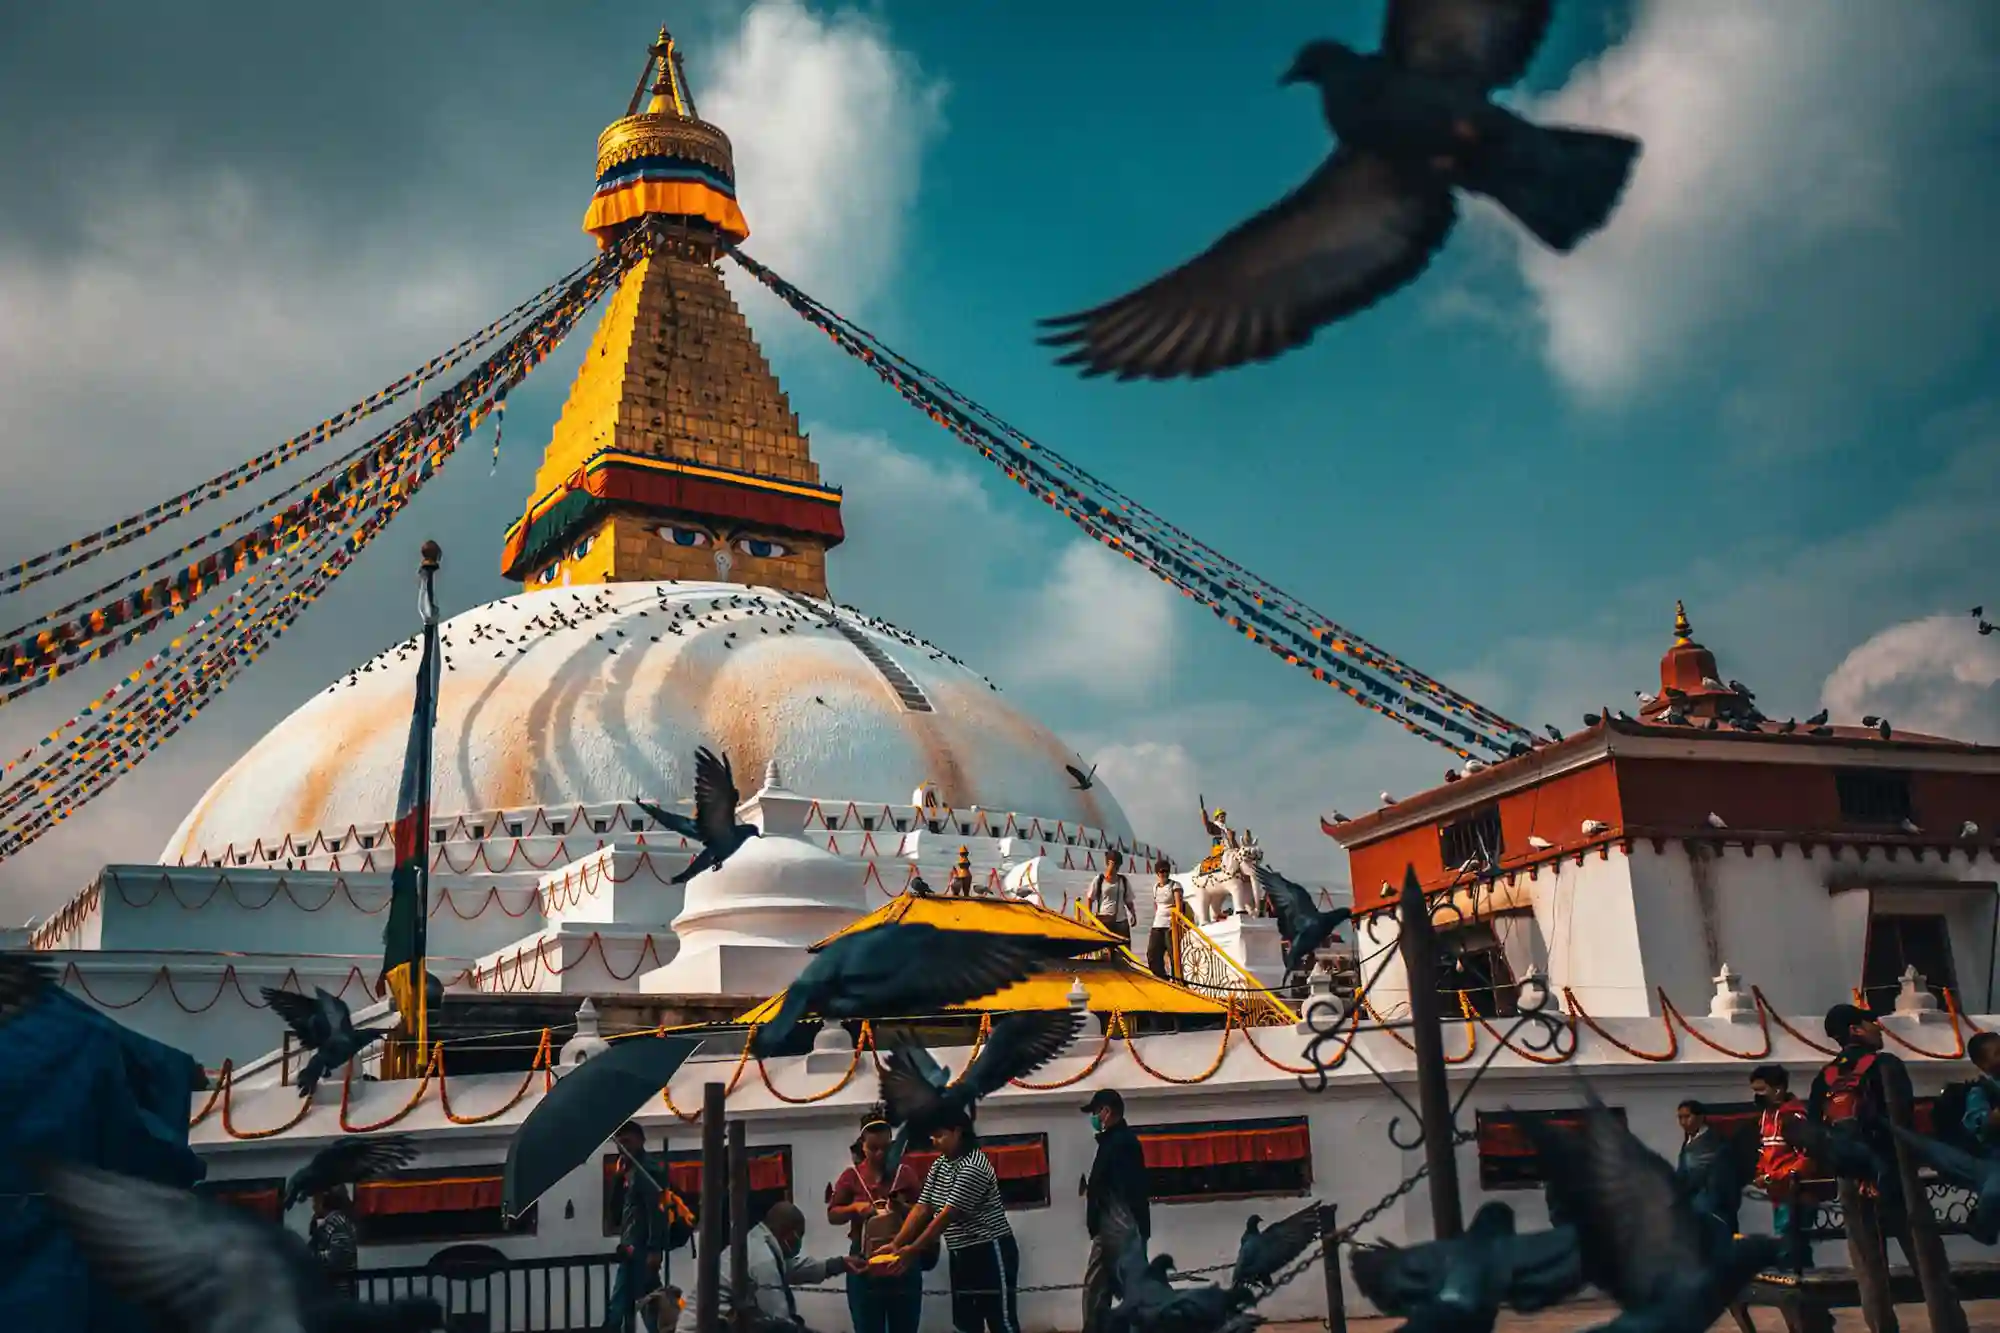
{"x":1682,"y":630}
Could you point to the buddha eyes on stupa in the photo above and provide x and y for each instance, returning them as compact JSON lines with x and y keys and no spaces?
{"x":679,"y":536}
{"x":763,"y":548}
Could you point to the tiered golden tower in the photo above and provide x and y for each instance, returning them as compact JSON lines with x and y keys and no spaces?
{"x":677,"y":455}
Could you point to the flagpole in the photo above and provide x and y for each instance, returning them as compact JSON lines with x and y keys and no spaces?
{"x":433,"y":556}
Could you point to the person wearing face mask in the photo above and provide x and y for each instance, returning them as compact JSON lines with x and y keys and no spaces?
{"x":775,"y":1248}
{"x":1117,"y":1176}
{"x":872,"y":1207}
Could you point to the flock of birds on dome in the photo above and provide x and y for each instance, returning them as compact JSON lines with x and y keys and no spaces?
{"x":740,"y":611}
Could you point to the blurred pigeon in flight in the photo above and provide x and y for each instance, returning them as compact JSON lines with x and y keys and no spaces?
{"x":204,"y":1267}
{"x":24,"y":979}
{"x":1299,"y":918}
{"x":324,"y":1026}
{"x":1459,"y":1285}
{"x":1980,"y":1176}
{"x":1641,"y":1242}
{"x":1265,"y":1252}
{"x":714,"y":824}
{"x":1149,"y":1303}
{"x":918,"y":1093}
{"x":1083,"y":780}
{"x":1415,"y":122}
{"x":908,"y":969}
{"x":347,"y":1162}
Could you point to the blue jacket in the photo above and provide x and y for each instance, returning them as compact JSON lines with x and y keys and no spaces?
{"x":1980,"y":1101}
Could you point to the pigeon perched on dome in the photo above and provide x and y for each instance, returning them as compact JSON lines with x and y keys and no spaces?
{"x":1416,"y":123}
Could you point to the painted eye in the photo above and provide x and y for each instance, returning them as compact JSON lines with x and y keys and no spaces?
{"x":582,"y":549}
{"x":762,"y":548}
{"x":548,"y":575}
{"x":684,"y":536}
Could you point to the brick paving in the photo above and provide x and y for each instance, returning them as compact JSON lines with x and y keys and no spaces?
{"x":1580,"y":1315}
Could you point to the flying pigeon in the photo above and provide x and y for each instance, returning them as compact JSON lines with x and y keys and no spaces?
{"x":204,"y":1267}
{"x":347,"y":1161}
{"x":907,"y":969}
{"x":24,"y":979}
{"x":324,"y":1026}
{"x":714,"y":824}
{"x":1264,"y":1251}
{"x":1083,"y":780}
{"x":1641,"y":1242}
{"x":1415,"y":122}
{"x":1979,"y":612}
{"x":1299,"y":917}
{"x":1985,"y":627}
{"x":918,"y":1093}
{"x":1459,"y":1285}
{"x":1980,"y":1176}
{"x":1148,"y":1303}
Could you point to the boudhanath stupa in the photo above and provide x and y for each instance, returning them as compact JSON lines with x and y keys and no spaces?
{"x":674,"y":553}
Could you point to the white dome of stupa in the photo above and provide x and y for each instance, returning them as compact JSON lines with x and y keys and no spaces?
{"x":593,"y":695}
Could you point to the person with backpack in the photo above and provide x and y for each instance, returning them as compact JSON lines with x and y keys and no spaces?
{"x":1851,"y":1097}
{"x":1782,"y":1169}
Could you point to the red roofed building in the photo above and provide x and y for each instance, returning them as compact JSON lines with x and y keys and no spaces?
{"x":1646,"y":852}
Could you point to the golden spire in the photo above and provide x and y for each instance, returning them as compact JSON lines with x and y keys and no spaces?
{"x":666,"y":161}
{"x":670,"y":85}
{"x":1682,"y":630}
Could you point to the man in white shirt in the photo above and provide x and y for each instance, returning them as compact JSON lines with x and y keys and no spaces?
{"x":1111,"y":898}
{"x":1166,"y":902}
{"x":776,"y":1262}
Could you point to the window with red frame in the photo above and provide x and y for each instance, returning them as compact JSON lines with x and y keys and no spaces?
{"x":447,"y":1203}
{"x":1507,"y":1159}
{"x":1227,"y":1159}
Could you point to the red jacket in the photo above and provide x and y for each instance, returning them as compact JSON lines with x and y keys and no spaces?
{"x":1778,"y":1162}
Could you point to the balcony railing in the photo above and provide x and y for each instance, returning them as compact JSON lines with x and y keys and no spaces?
{"x":557,"y":1295}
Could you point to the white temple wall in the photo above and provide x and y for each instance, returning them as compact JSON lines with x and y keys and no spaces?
{"x":1594,"y":918}
{"x":243,"y":910}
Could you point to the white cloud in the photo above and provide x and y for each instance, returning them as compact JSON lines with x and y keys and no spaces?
{"x":1935,"y":675}
{"x":1100,"y":625}
{"x":1158,"y":785}
{"x":1792,"y":162}
{"x":829,"y":120}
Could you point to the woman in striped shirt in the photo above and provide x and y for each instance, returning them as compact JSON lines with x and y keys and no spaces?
{"x":961,"y":1201}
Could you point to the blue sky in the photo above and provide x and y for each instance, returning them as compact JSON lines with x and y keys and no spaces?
{"x":1772,"y":387}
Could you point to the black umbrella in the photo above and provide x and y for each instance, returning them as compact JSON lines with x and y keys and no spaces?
{"x":584,"y":1108}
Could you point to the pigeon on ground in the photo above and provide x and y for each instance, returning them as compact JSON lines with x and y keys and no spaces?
{"x":1265,"y":1252}
{"x":1149,"y":1303}
{"x":204,"y":1267}
{"x":1300,"y":919}
{"x":714,"y":824}
{"x":324,"y":1026}
{"x":347,"y":1162}
{"x":908,"y":969}
{"x":918,"y":1093}
{"x":1459,"y":1285}
{"x":1083,"y":780}
{"x":1817,"y":719}
{"x":24,"y":979}
{"x":1640,"y":1240}
{"x":1978,"y":1175}
{"x":1415,"y":122}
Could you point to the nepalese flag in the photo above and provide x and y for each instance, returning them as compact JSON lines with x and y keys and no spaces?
{"x":403,"y":935}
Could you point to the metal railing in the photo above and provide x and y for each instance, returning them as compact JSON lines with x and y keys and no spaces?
{"x":566,"y":1294}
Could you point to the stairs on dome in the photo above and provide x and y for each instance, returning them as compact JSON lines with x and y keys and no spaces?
{"x":911,"y":695}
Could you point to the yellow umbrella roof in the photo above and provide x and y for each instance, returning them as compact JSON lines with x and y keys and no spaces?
{"x":1115,"y":980}
{"x":993,"y":916}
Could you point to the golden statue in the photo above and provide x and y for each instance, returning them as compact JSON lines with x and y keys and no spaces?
{"x":1216,"y":823}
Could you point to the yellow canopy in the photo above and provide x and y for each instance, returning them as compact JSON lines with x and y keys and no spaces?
{"x":1115,"y":980}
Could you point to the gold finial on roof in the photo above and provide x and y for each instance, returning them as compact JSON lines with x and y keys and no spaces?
{"x":1682,"y":630}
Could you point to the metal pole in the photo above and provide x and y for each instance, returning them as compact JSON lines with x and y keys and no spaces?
{"x":1329,"y":1262}
{"x":433,"y":556}
{"x":714,"y":1216}
{"x":740,"y":1295}
{"x":1419,"y":943}
{"x":1933,"y":1269}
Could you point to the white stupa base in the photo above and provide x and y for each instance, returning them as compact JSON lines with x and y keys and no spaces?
{"x":576,"y":958}
{"x":1252,"y":944}
{"x":753,"y":971}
